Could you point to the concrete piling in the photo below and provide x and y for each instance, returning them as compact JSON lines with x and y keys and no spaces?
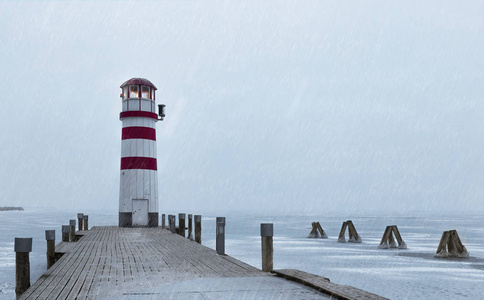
{"x":266,"y":233}
{"x":66,"y":230}
{"x":220,"y":236}
{"x":80,"y":217}
{"x":72,"y":231}
{"x":181,"y":224}
{"x":50,"y":238}
{"x":22,"y":247}
{"x":198,"y":229}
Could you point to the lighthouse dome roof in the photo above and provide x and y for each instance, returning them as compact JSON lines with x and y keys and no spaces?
{"x":141,"y":81}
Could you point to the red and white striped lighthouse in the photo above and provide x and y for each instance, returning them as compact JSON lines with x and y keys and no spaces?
{"x":138,"y":192}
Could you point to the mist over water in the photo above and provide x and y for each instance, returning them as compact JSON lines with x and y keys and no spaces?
{"x":287,"y":105}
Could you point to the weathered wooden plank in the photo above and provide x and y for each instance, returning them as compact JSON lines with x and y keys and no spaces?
{"x":324,"y":285}
{"x":110,"y":261}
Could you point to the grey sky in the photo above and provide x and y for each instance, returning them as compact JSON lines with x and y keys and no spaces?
{"x":284,"y":105}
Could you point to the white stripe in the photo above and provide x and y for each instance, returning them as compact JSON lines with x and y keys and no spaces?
{"x":138,"y":148}
{"x":139,"y":122}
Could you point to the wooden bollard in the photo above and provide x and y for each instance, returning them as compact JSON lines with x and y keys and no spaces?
{"x":22,"y":247}
{"x":162,"y":221}
{"x":85,"y":222}
{"x":80,"y":217}
{"x":72,"y":232}
{"x":50,"y":238}
{"x":451,"y":246}
{"x":172,"y":223}
{"x":220,"y":236}
{"x":181,"y":224}
{"x":353,"y":234}
{"x":266,"y":233}
{"x":341,"y":237}
{"x":198,"y":228}
{"x":190,"y":234}
{"x":66,"y":230}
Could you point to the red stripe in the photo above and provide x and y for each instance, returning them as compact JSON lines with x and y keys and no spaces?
{"x":144,"y":163}
{"x":136,"y":113}
{"x":134,"y":132}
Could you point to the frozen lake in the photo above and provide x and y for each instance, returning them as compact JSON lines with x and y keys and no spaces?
{"x":397,"y":274}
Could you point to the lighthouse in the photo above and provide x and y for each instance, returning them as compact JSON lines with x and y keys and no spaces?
{"x":138,"y":192}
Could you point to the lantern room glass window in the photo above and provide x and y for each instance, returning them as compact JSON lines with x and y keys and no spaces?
{"x":133,"y":91}
{"x":145,"y":92}
{"x":125,"y":92}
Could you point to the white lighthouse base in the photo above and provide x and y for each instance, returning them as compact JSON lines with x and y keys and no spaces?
{"x":126,"y":220}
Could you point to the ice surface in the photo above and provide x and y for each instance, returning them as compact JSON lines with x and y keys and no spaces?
{"x":395,"y":274}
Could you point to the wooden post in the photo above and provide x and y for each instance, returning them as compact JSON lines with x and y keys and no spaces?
{"x":22,"y":247}
{"x":457,"y":242}
{"x":198,"y":229}
{"x":72,"y":232}
{"x":387,"y":240}
{"x":220,"y":236}
{"x":451,"y":246}
{"x":321,"y":231}
{"x":354,"y":237}
{"x":163,"y":221}
{"x":314,"y":231}
{"x":50,"y":238}
{"x":173,"y":224}
{"x":181,"y":224}
{"x":190,"y":234}
{"x":85,"y":219}
{"x":442,"y":249}
{"x":66,"y":230}
{"x":80,"y":217}
{"x":341,"y":237}
{"x":266,"y":233}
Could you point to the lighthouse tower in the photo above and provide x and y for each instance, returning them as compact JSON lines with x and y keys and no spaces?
{"x":138,"y":192}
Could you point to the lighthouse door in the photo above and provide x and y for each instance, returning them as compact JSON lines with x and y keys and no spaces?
{"x":140,"y":212}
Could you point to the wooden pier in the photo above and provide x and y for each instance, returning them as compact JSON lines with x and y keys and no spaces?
{"x":153,"y":263}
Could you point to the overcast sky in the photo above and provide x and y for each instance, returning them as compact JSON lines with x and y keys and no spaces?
{"x":273,"y":105}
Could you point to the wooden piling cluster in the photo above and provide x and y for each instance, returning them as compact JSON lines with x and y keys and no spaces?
{"x":353,"y":234}
{"x":317,"y":231}
{"x":451,"y":246}
{"x":181,"y":228}
{"x":388,"y":240}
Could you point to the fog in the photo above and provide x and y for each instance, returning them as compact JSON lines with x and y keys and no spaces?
{"x":273,"y":105}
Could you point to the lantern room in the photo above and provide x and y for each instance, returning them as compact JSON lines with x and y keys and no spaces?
{"x":138,"y":94}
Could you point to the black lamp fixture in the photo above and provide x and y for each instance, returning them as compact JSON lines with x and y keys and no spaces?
{"x":161,"y":111}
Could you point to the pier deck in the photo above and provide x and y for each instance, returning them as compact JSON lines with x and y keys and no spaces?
{"x":152,"y":263}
